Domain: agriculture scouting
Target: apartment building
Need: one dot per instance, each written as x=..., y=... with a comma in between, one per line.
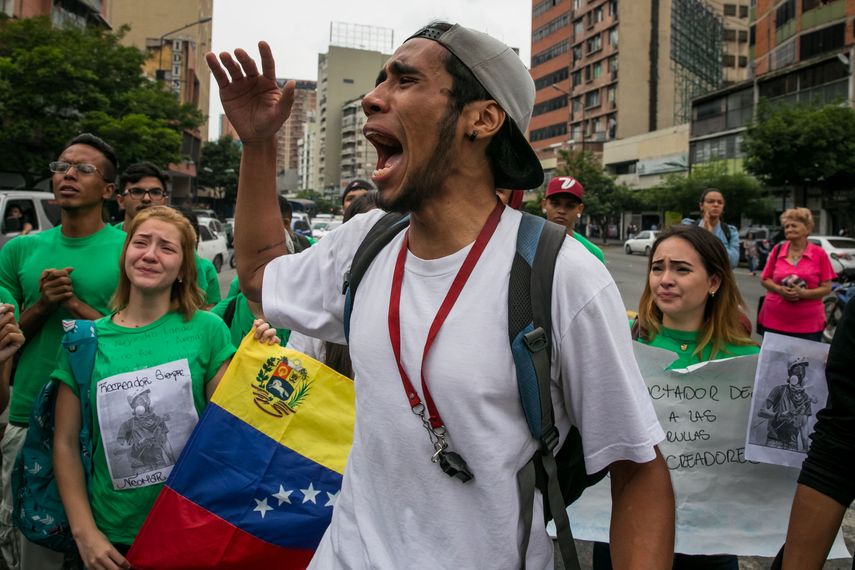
x=289, y=136
x=347, y=71
x=75, y=12
x=358, y=156
x=607, y=69
x=735, y=59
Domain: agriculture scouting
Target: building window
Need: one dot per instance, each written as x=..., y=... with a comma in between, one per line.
x=730, y=10
x=811, y=4
x=613, y=37
x=550, y=53
x=578, y=28
x=743, y=36
x=577, y=78
x=552, y=78
x=785, y=13
x=822, y=41
x=598, y=70
x=729, y=35
x=542, y=7
x=577, y=53
x=592, y=99
x=577, y=4
x=577, y=104
x=613, y=63
x=743, y=61
x=752, y=35
x=728, y=60
x=743, y=12
x=549, y=132
x=348, y=81
x=550, y=28
x=594, y=44
x=613, y=8
x=549, y=105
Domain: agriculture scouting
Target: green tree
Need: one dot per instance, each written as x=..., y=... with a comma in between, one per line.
x=58, y=82
x=803, y=146
x=681, y=193
x=605, y=199
x=220, y=166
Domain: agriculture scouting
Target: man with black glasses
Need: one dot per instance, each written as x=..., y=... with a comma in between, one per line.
x=141, y=185
x=68, y=272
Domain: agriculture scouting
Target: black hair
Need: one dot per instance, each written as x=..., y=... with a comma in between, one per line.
x=285, y=210
x=465, y=88
x=139, y=170
x=362, y=204
x=707, y=191
x=101, y=146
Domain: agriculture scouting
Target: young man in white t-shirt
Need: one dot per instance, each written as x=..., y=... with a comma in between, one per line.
x=447, y=117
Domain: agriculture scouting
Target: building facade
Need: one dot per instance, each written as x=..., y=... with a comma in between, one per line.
x=343, y=74
x=358, y=156
x=289, y=136
x=607, y=69
x=63, y=12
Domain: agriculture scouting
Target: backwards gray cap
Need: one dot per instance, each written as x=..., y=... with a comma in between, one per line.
x=499, y=70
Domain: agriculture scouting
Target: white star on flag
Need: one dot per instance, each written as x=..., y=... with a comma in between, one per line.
x=282, y=496
x=309, y=494
x=262, y=507
x=333, y=497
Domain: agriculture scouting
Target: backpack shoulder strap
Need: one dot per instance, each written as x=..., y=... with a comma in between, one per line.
x=530, y=332
x=380, y=234
x=80, y=343
x=229, y=314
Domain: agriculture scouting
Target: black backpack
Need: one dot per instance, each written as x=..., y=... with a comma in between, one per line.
x=559, y=474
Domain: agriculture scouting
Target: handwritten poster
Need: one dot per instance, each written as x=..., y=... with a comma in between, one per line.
x=789, y=389
x=146, y=417
x=725, y=503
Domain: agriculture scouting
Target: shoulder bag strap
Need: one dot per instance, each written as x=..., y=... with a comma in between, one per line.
x=380, y=234
x=81, y=342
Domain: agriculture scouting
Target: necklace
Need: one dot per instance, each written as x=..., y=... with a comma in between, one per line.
x=128, y=324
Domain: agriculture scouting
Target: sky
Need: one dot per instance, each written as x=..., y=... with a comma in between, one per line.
x=298, y=31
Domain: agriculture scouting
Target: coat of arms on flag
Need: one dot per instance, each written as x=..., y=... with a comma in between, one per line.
x=257, y=481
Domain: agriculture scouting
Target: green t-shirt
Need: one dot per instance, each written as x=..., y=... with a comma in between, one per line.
x=95, y=260
x=6, y=297
x=243, y=318
x=683, y=343
x=208, y=280
x=136, y=442
x=598, y=253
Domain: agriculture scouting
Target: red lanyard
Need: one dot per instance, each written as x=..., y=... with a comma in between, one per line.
x=450, y=298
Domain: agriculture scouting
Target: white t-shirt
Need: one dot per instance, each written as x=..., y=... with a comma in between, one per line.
x=399, y=510
x=314, y=347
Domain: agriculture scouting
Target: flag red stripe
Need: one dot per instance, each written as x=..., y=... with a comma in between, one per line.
x=187, y=536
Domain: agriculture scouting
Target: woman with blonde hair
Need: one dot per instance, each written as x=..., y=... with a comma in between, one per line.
x=158, y=361
x=691, y=306
x=797, y=276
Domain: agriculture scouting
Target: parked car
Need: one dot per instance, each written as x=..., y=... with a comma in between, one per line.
x=323, y=227
x=212, y=247
x=37, y=208
x=212, y=224
x=642, y=242
x=206, y=213
x=841, y=250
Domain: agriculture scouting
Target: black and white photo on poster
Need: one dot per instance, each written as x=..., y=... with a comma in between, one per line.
x=789, y=389
x=146, y=417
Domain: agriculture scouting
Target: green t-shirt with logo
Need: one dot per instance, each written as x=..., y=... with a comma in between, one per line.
x=146, y=396
x=208, y=280
x=95, y=260
x=683, y=344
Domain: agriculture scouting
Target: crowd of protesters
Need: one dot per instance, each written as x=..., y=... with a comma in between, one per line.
x=447, y=117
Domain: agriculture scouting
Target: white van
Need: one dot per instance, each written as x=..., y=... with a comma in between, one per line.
x=38, y=209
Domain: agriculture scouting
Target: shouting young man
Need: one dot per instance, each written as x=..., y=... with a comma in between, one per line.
x=447, y=117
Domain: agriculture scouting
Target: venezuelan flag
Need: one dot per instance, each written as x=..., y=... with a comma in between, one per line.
x=257, y=481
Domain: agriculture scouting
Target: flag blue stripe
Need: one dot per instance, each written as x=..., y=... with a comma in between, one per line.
x=228, y=466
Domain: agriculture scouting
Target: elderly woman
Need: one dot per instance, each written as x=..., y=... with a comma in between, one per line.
x=797, y=275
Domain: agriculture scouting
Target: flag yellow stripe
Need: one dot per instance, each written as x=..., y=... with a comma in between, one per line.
x=319, y=426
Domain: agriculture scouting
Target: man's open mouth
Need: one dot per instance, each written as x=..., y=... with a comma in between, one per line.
x=389, y=152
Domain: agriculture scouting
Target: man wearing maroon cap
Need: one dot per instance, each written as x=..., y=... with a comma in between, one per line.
x=563, y=205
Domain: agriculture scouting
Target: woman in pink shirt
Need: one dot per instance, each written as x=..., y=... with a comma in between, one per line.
x=797, y=275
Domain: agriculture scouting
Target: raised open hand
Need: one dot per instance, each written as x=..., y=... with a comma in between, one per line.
x=254, y=104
